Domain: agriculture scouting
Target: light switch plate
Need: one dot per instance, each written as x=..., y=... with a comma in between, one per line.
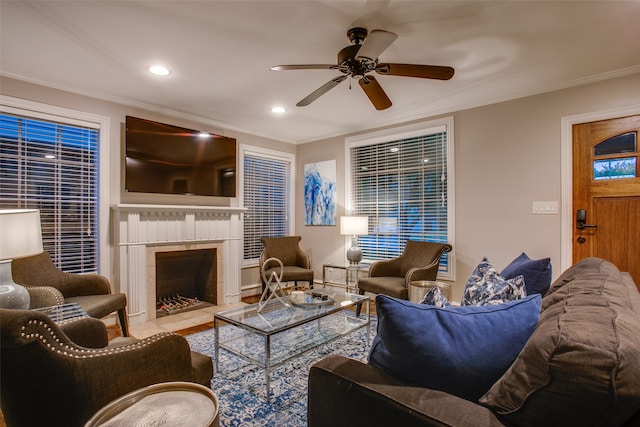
x=545, y=207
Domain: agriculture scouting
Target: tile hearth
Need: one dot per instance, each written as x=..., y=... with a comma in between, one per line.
x=179, y=321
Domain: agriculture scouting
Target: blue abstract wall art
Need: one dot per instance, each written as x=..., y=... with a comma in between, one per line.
x=320, y=193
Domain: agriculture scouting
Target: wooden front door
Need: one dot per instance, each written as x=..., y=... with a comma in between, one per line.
x=606, y=192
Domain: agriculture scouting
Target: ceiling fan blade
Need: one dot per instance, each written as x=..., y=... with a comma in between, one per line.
x=375, y=43
x=374, y=91
x=410, y=70
x=304, y=67
x=321, y=91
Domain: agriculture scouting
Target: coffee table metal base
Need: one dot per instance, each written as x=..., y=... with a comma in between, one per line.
x=270, y=338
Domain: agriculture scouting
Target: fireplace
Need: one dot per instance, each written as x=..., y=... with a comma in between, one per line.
x=185, y=280
x=144, y=231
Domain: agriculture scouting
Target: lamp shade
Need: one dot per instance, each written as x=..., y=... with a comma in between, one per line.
x=354, y=225
x=21, y=233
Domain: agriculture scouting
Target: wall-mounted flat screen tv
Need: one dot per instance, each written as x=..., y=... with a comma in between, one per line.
x=166, y=159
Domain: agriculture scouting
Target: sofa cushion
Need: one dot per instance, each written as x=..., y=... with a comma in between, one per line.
x=486, y=287
x=460, y=350
x=536, y=272
x=581, y=366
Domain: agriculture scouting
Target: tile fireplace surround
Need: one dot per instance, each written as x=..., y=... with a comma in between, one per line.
x=141, y=231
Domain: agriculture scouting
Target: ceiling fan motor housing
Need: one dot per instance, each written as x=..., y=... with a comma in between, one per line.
x=357, y=35
x=347, y=58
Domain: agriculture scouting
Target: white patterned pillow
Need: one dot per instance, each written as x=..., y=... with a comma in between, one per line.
x=485, y=286
x=435, y=297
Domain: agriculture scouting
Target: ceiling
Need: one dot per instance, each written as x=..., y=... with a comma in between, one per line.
x=220, y=54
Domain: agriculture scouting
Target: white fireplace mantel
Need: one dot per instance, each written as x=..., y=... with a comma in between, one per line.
x=138, y=228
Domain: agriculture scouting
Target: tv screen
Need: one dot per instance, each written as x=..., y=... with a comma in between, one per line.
x=166, y=159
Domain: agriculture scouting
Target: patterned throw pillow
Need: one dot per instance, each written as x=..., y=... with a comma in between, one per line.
x=486, y=287
x=435, y=297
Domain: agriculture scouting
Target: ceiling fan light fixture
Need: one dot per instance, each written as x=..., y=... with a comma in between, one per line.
x=278, y=110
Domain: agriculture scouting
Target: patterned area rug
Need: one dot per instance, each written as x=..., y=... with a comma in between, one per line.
x=240, y=387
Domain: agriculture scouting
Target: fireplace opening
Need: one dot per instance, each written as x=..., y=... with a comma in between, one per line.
x=185, y=280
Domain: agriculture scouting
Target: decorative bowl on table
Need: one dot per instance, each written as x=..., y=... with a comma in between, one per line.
x=310, y=298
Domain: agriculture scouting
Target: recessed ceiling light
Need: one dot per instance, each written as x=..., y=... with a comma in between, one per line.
x=278, y=110
x=159, y=70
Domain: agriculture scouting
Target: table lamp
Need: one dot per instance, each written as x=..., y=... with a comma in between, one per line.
x=354, y=226
x=21, y=236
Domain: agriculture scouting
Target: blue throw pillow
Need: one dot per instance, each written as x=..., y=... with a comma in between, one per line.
x=536, y=272
x=459, y=350
x=486, y=287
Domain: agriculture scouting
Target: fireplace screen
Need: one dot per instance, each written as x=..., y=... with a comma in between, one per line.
x=185, y=280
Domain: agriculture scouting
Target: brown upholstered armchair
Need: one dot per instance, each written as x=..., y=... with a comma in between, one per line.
x=297, y=264
x=60, y=375
x=47, y=286
x=419, y=261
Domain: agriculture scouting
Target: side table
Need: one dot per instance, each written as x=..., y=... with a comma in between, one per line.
x=351, y=274
x=62, y=312
x=176, y=404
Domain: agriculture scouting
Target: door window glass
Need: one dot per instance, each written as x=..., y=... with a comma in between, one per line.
x=616, y=157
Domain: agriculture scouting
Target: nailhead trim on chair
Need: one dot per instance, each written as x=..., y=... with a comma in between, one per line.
x=53, y=291
x=79, y=352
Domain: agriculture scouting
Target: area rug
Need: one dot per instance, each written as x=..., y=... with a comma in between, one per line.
x=240, y=387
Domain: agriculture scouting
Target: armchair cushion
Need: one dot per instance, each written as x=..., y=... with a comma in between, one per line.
x=99, y=306
x=430, y=346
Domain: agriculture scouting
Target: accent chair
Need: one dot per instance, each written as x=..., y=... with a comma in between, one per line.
x=61, y=374
x=419, y=261
x=297, y=264
x=47, y=286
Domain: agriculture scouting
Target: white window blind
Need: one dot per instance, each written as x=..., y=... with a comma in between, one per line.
x=53, y=166
x=267, y=197
x=401, y=184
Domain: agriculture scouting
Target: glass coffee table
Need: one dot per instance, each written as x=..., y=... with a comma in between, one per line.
x=278, y=333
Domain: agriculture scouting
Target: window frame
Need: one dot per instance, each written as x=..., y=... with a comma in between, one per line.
x=445, y=124
x=42, y=111
x=272, y=155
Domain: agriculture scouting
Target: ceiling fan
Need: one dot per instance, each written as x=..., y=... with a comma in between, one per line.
x=360, y=59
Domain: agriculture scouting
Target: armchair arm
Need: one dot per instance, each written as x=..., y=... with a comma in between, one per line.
x=86, y=332
x=76, y=285
x=386, y=268
x=44, y=296
x=425, y=273
x=302, y=259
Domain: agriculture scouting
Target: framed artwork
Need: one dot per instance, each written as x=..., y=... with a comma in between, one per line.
x=320, y=193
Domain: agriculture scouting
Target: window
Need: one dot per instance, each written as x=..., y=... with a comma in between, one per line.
x=402, y=180
x=616, y=157
x=266, y=193
x=51, y=164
